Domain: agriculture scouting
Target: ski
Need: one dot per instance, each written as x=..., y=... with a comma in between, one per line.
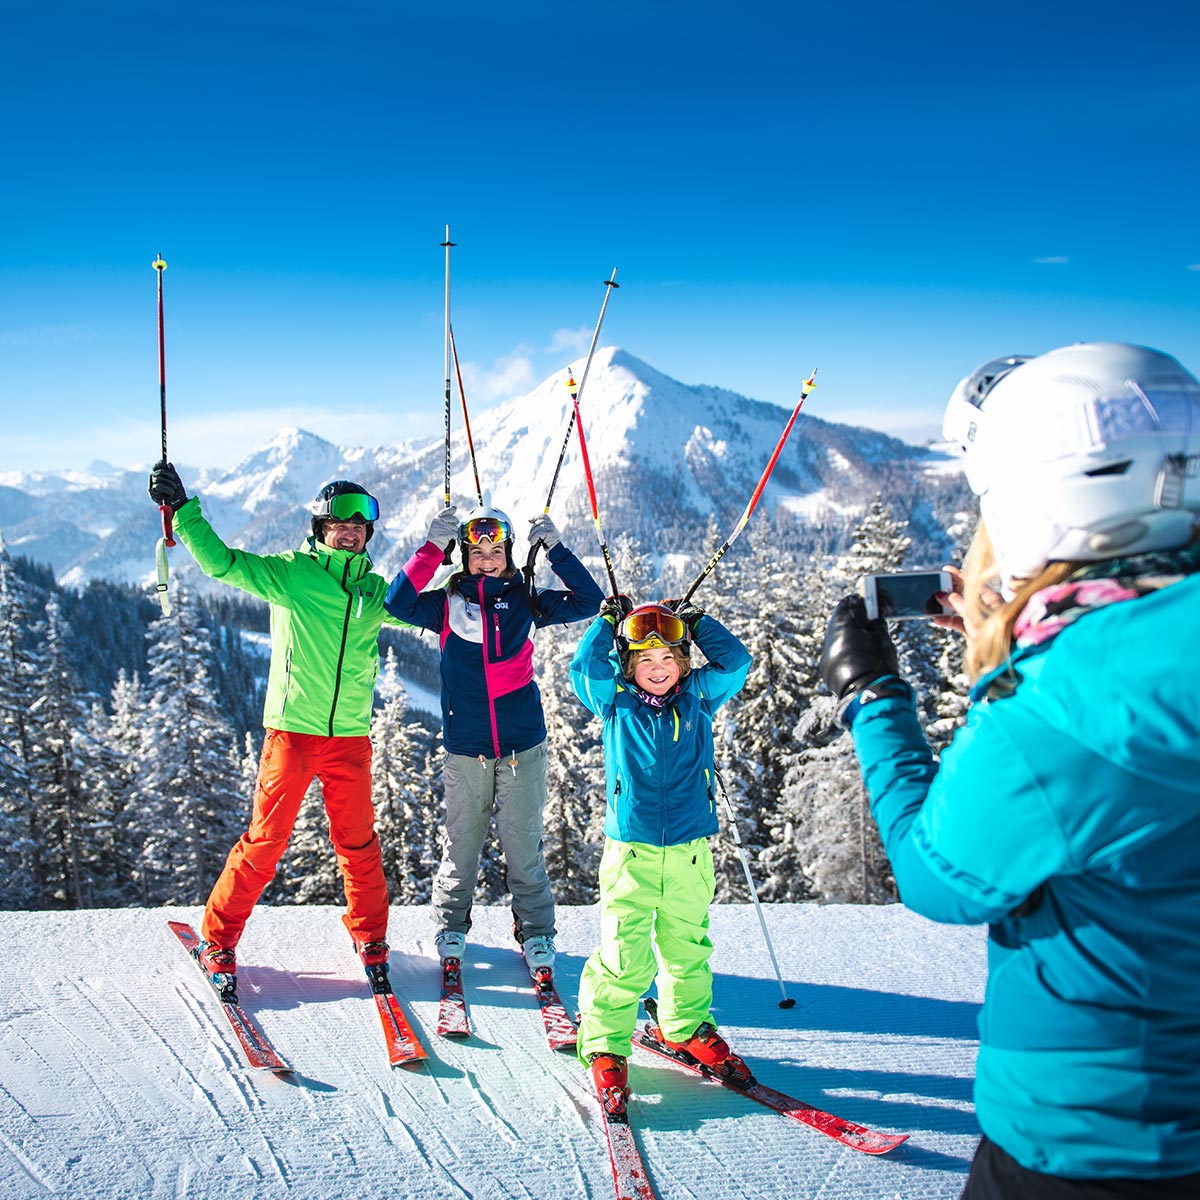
x=560, y=1029
x=452, y=1007
x=857, y=1137
x=403, y=1045
x=256, y=1048
x=629, y=1171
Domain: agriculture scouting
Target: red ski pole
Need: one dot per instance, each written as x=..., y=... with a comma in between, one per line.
x=809, y=384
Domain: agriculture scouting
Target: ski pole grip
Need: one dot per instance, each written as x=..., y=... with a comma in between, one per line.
x=167, y=513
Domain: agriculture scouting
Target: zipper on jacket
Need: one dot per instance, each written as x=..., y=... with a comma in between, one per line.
x=487, y=682
x=337, y=677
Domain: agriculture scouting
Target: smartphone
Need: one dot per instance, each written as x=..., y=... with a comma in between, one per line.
x=905, y=596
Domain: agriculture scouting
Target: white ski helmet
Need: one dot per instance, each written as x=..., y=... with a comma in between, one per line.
x=485, y=524
x=1085, y=453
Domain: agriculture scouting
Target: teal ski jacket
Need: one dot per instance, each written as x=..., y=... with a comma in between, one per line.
x=659, y=761
x=1067, y=815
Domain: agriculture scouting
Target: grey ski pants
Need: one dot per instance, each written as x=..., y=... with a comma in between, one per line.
x=515, y=789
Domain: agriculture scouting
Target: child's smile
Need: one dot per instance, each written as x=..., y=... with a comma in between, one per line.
x=656, y=670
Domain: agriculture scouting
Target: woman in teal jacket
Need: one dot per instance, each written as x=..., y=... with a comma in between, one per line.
x=1066, y=813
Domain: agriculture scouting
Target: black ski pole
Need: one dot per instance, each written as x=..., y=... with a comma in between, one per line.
x=164, y=509
x=609, y=285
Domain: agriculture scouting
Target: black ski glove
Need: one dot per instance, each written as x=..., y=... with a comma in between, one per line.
x=689, y=613
x=614, y=609
x=858, y=659
x=166, y=487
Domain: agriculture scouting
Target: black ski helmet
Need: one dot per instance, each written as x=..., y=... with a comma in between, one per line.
x=359, y=503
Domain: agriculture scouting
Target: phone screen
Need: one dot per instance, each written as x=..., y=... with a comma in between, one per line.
x=910, y=595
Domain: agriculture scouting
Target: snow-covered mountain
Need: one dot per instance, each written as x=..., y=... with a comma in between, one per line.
x=666, y=457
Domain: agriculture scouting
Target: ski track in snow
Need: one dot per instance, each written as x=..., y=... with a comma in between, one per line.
x=120, y=1078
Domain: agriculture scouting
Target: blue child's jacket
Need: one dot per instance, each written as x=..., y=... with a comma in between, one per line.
x=659, y=761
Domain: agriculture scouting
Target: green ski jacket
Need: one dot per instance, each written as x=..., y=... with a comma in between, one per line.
x=326, y=610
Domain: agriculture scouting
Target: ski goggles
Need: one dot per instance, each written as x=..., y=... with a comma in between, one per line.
x=484, y=529
x=348, y=505
x=651, y=626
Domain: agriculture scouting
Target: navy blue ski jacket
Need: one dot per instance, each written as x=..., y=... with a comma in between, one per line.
x=490, y=702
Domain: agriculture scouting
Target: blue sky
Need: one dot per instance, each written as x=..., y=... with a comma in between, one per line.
x=893, y=193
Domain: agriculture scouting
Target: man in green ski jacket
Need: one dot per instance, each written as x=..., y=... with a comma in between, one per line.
x=326, y=611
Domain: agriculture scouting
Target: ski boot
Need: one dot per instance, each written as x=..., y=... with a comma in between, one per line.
x=451, y=944
x=219, y=964
x=707, y=1047
x=539, y=955
x=611, y=1075
x=374, y=957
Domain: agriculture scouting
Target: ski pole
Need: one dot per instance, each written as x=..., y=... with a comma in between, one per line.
x=466, y=419
x=609, y=284
x=731, y=817
x=809, y=384
x=446, y=245
x=162, y=566
x=164, y=509
x=591, y=483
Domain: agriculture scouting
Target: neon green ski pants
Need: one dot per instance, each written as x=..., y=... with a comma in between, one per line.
x=644, y=890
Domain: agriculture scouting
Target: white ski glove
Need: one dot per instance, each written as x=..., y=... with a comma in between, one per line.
x=542, y=529
x=443, y=529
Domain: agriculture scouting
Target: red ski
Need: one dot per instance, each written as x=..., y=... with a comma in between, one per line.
x=452, y=1007
x=629, y=1171
x=403, y=1046
x=256, y=1049
x=857, y=1137
x=560, y=1029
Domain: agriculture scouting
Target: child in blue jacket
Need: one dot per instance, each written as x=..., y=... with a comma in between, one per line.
x=633, y=670
x=492, y=722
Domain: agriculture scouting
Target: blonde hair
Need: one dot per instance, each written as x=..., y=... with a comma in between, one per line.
x=989, y=625
x=682, y=654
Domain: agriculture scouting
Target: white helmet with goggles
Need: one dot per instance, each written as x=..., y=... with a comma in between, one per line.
x=485, y=525
x=1085, y=453
x=342, y=500
x=649, y=626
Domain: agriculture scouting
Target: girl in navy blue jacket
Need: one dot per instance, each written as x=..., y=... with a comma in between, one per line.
x=492, y=722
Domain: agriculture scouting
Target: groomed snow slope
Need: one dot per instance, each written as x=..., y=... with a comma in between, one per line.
x=119, y=1077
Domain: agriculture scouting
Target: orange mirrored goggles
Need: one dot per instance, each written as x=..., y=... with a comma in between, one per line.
x=651, y=626
x=485, y=529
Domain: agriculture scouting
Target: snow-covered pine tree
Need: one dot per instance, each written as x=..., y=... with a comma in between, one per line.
x=21, y=882
x=754, y=730
x=114, y=775
x=193, y=808
x=66, y=844
x=573, y=836
x=404, y=792
x=308, y=872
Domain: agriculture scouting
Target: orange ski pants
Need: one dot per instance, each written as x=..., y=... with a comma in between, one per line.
x=288, y=765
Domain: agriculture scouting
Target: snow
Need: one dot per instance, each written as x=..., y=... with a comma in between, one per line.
x=119, y=1077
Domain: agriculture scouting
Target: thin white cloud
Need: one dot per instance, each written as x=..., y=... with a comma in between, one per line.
x=574, y=341
x=1194, y=267
x=1053, y=259
x=509, y=376
x=46, y=335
